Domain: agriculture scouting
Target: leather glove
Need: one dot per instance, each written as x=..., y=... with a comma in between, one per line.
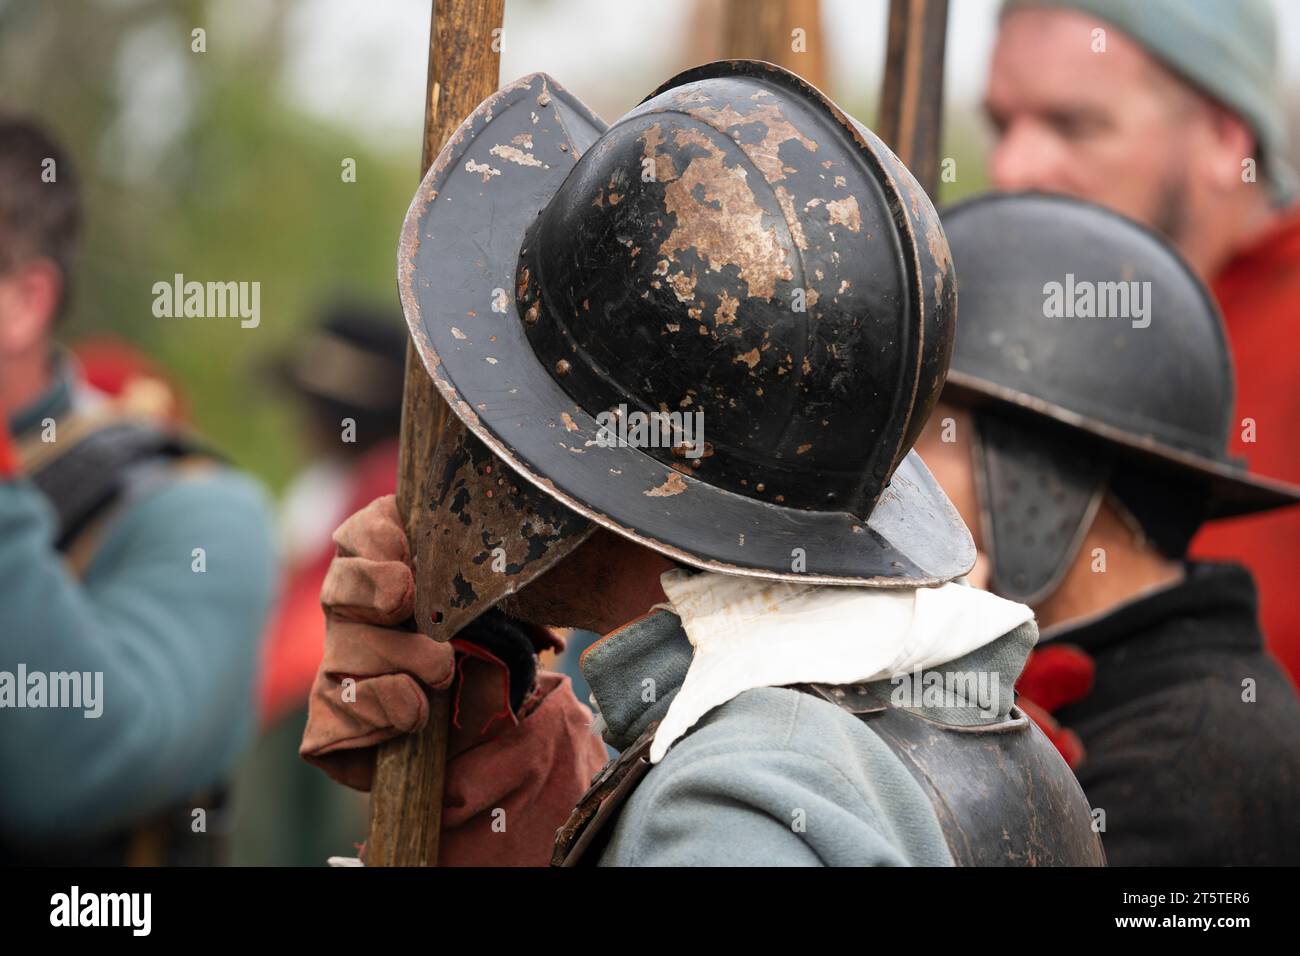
x=374, y=678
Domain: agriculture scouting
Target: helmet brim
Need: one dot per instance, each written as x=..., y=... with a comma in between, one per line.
x=1233, y=491
x=457, y=273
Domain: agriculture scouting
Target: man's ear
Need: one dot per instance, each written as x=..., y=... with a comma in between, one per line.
x=1231, y=143
x=30, y=295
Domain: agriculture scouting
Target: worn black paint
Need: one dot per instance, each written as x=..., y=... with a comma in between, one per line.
x=875, y=358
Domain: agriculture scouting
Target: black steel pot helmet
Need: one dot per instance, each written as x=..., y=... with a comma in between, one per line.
x=1098, y=360
x=734, y=255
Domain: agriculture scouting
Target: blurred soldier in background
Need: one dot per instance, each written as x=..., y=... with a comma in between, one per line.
x=1084, y=447
x=135, y=575
x=346, y=374
x=1169, y=111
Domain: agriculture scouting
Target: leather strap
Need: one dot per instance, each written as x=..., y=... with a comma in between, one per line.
x=585, y=833
x=84, y=472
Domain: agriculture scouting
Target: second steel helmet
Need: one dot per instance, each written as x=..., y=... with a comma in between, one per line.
x=1093, y=350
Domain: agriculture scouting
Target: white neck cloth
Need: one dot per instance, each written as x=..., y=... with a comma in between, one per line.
x=750, y=632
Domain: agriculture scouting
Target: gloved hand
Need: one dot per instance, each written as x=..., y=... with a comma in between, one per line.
x=374, y=677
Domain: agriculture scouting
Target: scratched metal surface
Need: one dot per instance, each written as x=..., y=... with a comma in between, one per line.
x=490, y=533
x=1003, y=795
x=807, y=415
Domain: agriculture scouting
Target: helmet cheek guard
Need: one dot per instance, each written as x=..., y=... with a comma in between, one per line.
x=1039, y=492
x=489, y=533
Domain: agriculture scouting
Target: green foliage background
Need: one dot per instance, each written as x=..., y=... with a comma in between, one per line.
x=251, y=191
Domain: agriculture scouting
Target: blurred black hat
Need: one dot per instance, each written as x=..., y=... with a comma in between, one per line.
x=351, y=364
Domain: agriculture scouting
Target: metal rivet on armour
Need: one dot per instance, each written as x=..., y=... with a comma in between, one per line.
x=562, y=367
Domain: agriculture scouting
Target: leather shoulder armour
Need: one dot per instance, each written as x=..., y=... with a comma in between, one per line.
x=585, y=833
x=1002, y=794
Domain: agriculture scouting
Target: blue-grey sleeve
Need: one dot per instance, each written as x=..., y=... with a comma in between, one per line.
x=170, y=613
x=763, y=807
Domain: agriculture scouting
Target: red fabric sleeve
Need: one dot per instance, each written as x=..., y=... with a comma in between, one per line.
x=507, y=796
x=8, y=454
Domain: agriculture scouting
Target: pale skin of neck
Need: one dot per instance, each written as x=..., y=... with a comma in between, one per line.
x=1218, y=230
x=23, y=382
x=1131, y=568
x=1132, y=565
x=609, y=580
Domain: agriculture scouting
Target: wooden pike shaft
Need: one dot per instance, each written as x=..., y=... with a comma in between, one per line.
x=764, y=30
x=911, y=102
x=406, y=798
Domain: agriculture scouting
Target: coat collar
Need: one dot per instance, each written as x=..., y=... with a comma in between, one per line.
x=634, y=673
x=1220, y=596
x=637, y=670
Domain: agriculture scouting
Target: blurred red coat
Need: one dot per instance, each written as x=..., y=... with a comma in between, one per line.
x=1259, y=292
x=295, y=639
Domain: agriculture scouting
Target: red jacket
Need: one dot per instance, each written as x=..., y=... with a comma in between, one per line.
x=295, y=636
x=1259, y=292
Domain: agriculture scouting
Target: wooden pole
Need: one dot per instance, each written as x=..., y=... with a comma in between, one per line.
x=786, y=32
x=406, y=798
x=911, y=101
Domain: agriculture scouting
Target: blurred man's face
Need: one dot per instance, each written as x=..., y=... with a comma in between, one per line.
x=1113, y=127
x=29, y=301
